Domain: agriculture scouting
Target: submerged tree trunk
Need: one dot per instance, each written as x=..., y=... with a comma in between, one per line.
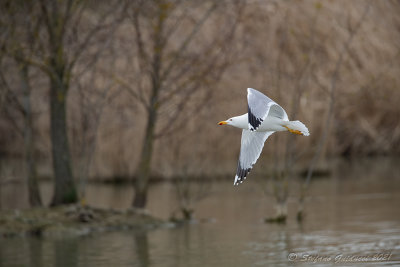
x=64, y=188
x=187, y=213
x=173, y=71
x=144, y=167
x=143, y=171
x=281, y=194
x=33, y=188
x=330, y=113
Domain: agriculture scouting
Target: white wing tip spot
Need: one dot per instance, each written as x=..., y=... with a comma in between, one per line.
x=237, y=181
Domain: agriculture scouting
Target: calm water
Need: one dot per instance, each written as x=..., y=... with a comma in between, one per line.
x=354, y=213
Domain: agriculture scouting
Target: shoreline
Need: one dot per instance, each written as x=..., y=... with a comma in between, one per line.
x=73, y=220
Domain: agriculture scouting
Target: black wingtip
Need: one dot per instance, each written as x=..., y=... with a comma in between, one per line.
x=241, y=175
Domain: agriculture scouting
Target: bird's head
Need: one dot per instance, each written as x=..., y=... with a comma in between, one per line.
x=228, y=121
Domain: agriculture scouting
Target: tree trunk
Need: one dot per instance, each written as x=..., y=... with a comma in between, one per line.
x=64, y=188
x=33, y=188
x=143, y=172
x=187, y=213
x=281, y=194
x=281, y=212
x=56, y=15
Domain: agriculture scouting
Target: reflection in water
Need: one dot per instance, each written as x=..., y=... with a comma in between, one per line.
x=142, y=248
x=35, y=252
x=66, y=252
x=352, y=213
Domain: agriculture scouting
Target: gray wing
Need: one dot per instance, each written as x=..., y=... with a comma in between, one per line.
x=251, y=146
x=260, y=106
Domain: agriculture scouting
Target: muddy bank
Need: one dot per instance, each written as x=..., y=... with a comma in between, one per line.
x=72, y=220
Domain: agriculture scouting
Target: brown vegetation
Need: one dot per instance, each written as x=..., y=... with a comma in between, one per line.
x=286, y=49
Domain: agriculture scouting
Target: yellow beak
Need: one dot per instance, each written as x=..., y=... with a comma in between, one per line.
x=222, y=123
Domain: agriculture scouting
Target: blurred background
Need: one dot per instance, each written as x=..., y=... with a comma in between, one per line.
x=98, y=95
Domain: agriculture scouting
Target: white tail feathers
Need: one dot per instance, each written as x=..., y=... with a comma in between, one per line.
x=297, y=127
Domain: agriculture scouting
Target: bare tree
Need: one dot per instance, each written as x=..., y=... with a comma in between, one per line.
x=190, y=188
x=293, y=83
x=62, y=34
x=170, y=74
x=91, y=104
x=20, y=105
x=20, y=43
x=331, y=109
x=33, y=188
x=56, y=17
x=284, y=171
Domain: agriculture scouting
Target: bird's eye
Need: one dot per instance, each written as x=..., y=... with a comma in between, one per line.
x=230, y=119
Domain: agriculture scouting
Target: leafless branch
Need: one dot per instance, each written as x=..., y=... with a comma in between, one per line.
x=187, y=40
x=335, y=76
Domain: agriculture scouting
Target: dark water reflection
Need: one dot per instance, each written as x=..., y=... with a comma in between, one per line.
x=353, y=213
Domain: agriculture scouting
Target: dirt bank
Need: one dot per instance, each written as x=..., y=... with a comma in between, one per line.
x=72, y=220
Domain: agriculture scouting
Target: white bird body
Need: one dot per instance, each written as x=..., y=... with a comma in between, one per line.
x=264, y=118
x=269, y=124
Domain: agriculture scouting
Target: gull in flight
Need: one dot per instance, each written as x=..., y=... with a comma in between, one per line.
x=264, y=117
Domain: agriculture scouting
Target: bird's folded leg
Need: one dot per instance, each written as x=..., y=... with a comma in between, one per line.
x=293, y=131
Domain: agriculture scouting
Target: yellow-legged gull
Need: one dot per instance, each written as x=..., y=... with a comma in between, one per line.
x=264, y=117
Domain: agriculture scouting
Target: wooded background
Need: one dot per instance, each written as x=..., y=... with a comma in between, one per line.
x=185, y=65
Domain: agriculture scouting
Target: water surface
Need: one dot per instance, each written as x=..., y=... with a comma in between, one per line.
x=351, y=217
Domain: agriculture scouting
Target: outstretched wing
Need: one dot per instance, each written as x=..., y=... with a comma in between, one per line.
x=260, y=106
x=251, y=146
